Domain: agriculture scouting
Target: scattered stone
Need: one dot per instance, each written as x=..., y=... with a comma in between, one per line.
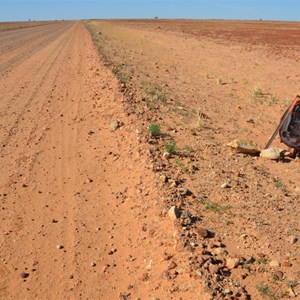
x=220, y=251
x=24, y=275
x=274, y=264
x=243, y=146
x=115, y=125
x=225, y=185
x=145, y=277
x=112, y=251
x=213, y=269
x=274, y=153
x=227, y=291
x=166, y=275
x=293, y=239
x=124, y=296
x=59, y=246
x=232, y=263
x=183, y=191
x=167, y=256
x=202, y=232
x=166, y=155
x=149, y=266
x=71, y=276
x=93, y=264
x=163, y=178
x=172, y=265
x=174, y=213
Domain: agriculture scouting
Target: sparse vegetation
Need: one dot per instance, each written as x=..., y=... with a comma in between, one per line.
x=154, y=129
x=278, y=183
x=170, y=147
x=181, y=165
x=256, y=92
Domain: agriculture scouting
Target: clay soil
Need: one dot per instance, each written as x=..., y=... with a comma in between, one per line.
x=86, y=191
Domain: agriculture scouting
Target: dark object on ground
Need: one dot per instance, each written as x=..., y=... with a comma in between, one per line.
x=289, y=127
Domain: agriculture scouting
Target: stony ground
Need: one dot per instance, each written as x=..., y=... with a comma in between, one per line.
x=115, y=179
x=204, y=84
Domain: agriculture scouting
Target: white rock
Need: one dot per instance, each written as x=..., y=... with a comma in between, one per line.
x=274, y=153
x=174, y=212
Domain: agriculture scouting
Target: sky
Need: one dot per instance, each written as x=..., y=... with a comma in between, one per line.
x=23, y=10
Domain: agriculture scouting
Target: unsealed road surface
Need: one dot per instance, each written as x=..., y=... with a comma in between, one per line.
x=78, y=210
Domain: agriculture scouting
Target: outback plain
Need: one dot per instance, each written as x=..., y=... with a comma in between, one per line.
x=116, y=178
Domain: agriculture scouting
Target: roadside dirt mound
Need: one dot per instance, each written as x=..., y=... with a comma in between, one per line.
x=237, y=216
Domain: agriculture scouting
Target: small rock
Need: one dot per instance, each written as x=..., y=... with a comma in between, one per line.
x=232, y=263
x=297, y=189
x=163, y=178
x=172, y=265
x=293, y=239
x=93, y=264
x=243, y=146
x=183, y=191
x=174, y=213
x=227, y=291
x=145, y=277
x=149, y=266
x=220, y=251
x=225, y=185
x=213, y=269
x=166, y=275
x=112, y=251
x=166, y=155
x=59, y=246
x=24, y=275
x=202, y=232
x=115, y=125
x=167, y=256
x=274, y=264
x=274, y=153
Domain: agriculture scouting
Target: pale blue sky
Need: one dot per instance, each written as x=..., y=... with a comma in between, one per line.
x=14, y=10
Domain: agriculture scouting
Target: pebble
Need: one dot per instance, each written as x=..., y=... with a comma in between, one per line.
x=273, y=153
x=202, y=232
x=274, y=263
x=232, y=263
x=172, y=265
x=145, y=277
x=225, y=185
x=115, y=125
x=59, y=246
x=24, y=275
x=166, y=155
x=174, y=212
x=163, y=178
x=293, y=239
x=243, y=146
x=220, y=251
x=93, y=264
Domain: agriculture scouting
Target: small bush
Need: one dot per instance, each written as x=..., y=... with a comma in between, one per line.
x=154, y=129
x=170, y=147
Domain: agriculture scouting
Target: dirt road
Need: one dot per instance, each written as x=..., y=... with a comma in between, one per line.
x=77, y=201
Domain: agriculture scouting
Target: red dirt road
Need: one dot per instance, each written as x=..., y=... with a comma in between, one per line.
x=77, y=220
